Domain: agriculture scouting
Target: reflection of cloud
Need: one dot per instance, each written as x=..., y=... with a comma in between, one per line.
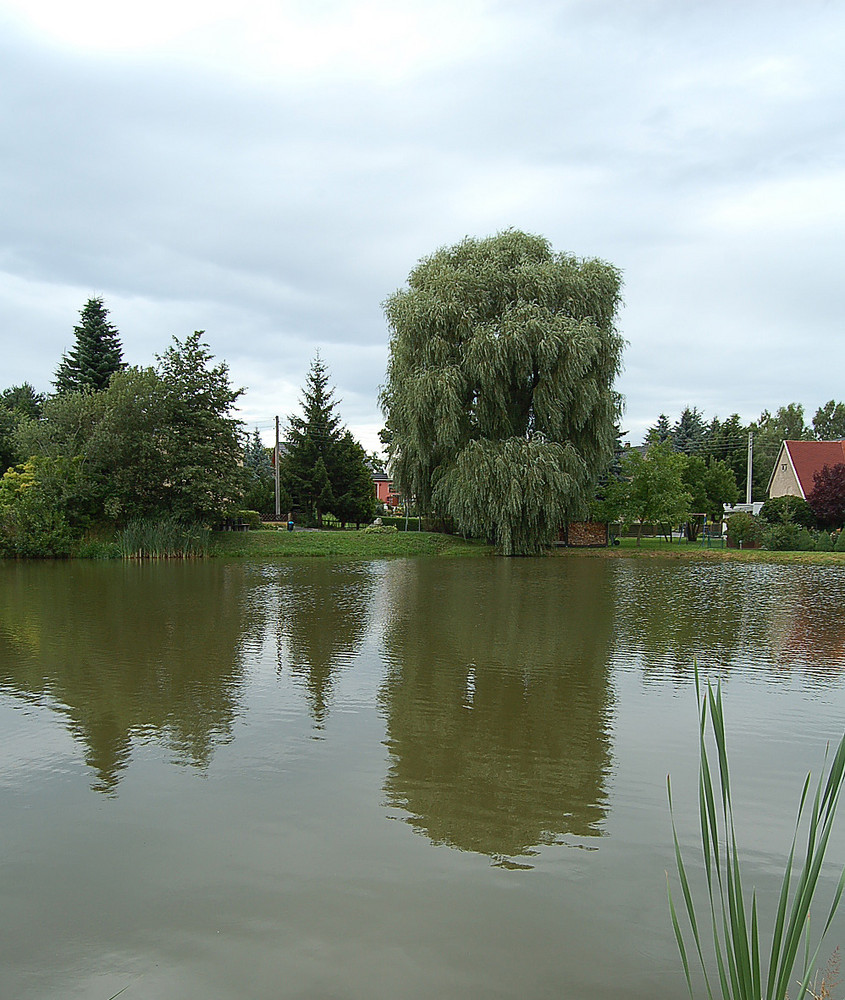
x=497, y=701
x=125, y=651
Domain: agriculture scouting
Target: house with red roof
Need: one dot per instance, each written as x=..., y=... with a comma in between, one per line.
x=798, y=462
x=384, y=490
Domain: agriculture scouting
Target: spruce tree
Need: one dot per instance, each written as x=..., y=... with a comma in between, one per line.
x=311, y=445
x=689, y=432
x=96, y=354
x=259, y=475
x=659, y=432
x=324, y=468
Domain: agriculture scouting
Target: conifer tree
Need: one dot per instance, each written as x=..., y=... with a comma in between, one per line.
x=659, y=432
x=311, y=442
x=499, y=395
x=260, y=487
x=96, y=354
x=324, y=468
x=689, y=432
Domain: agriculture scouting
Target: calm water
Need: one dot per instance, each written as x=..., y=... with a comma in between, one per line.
x=397, y=779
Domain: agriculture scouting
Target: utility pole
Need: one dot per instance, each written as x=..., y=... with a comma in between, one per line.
x=276, y=463
x=748, y=480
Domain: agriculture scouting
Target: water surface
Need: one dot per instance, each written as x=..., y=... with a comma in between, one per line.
x=388, y=779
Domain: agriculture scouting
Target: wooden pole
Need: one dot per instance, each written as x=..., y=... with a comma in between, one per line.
x=748, y=478
x=278, y=492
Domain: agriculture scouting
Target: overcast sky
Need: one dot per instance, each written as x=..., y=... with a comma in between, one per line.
x=270, y=171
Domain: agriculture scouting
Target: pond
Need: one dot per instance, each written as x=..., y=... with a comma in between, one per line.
x=393, y=779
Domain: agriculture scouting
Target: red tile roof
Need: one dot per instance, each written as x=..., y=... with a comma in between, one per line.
x=809, y=457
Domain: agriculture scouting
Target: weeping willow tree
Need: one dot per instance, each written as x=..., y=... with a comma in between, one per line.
x=499, y=394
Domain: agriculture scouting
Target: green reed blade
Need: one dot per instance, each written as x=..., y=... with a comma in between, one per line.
x=736, y=933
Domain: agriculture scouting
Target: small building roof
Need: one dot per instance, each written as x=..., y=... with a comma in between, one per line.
x=382, y=477
x=810, y=457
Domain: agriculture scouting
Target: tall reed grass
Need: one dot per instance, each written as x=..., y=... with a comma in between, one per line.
x=733, y=939
x=163, y=538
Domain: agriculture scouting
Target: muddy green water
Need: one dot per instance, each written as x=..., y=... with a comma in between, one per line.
x=403, y=779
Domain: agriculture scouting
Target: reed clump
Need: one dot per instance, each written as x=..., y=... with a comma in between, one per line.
x=730, y=936
x=163, y=538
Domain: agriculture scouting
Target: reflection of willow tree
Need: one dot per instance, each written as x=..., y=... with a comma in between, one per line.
x=127, y=652
x=324, y=610
x=497, y=701
x=668, y=612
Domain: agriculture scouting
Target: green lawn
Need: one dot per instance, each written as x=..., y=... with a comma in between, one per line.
x=363, y=545
x=351, y=544
x=659, y=548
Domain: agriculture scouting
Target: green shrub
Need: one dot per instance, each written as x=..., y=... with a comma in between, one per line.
x=781, y=537
x=97, y=548
x=399, y=522
x=743, y=529
x=788, y=510
x=824, y=542
x=250, y=517
x=32, y=524
x=380, y=529
x=840, y=542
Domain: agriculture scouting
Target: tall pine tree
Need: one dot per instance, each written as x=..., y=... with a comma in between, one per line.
x=324, y=468
x=96, y=355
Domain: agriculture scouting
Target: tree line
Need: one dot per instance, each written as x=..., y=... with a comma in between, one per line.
x=688, y=471
x=727, y=440
x=115, y=444
x=501, y=418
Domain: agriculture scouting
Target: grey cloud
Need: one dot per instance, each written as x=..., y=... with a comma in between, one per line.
x=278, y=216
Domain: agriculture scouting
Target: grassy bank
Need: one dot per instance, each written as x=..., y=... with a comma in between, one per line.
x=362, y=545
x=654, y=548
x=351, y=544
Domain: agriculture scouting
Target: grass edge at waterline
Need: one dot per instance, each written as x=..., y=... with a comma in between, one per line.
x=734, y=930
x=342, y=544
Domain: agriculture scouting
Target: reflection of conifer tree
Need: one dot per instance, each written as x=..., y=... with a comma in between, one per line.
x=324, y=615
x=497, y=701
x=125, y=649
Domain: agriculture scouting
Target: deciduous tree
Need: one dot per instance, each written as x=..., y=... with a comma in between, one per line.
x=828, y=497
x=355, y=494
x=153, y=442
x=499, y=394
x=787, y=424
x=655, y=492
x=18, y=403
x=710, y=485
x=829, y=421
x=201, y=445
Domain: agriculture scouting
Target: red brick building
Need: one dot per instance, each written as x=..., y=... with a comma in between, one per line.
x=384, y=489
